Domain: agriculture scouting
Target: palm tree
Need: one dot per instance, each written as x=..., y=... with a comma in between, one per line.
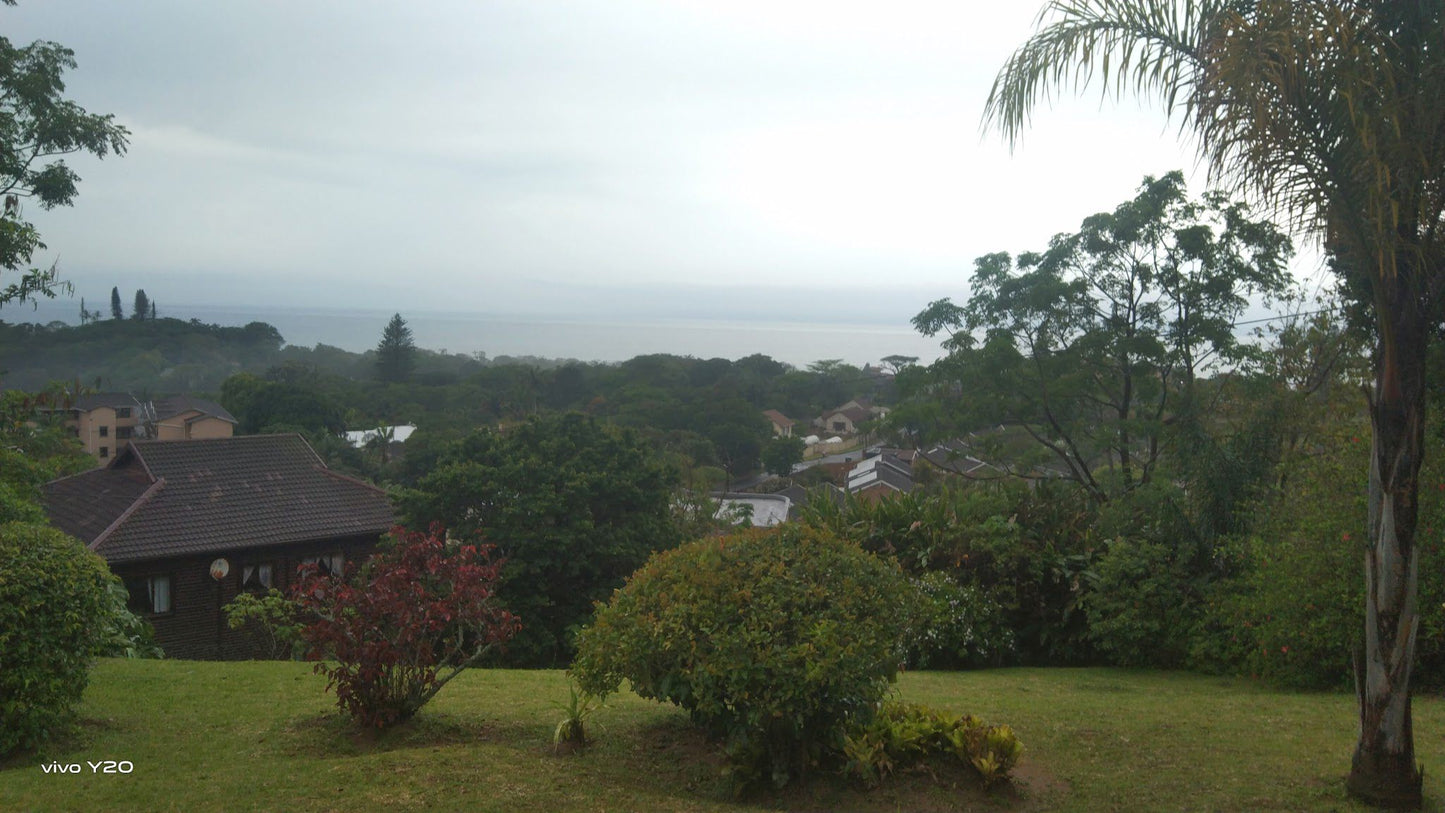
x=379, y=440
x=1331, y=112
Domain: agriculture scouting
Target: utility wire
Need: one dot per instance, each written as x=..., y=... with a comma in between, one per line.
x=1285, y=316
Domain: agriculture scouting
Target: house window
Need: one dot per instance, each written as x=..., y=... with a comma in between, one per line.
x=123, y=432
x=256, y=578
x=122, y=412
x=331, y=564
x=105, y=431
x=839, y=426
x=105, y=451
x=148, y=594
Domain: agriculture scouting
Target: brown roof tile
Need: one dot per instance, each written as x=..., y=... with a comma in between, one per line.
x=85, y=504
x=778, y=418
x=204, y=496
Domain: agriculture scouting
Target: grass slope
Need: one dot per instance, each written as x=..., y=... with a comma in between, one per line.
x=264, y=736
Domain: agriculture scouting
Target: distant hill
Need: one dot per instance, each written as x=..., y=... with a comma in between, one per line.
x=174, y=356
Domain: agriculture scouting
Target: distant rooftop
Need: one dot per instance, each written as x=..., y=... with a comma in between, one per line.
x=177, y=404
x=767, y=509
x=359, y=438
x=96, y=400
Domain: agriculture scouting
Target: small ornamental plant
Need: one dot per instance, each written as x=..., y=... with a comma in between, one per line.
x=415, y=617
x=571, y=732
x=902, y=734
x=270, y=621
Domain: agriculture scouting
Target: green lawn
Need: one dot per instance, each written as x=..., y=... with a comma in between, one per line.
x=264, y=736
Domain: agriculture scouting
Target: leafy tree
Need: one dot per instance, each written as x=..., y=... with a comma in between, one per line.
x=396, y=354
x=40, y=124
x=142, y=307
x=277, y=406
x=737, y=431
x=1330, y=111
x=116, y=312
x=828, y=383
x=572, y=505
x=420, y=614
x=896, y=363
x=270, y=621
x=1091, y=346
x=780, y=455
x=35, y=448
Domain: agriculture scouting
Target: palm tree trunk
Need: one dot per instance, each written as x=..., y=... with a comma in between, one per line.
x=1383, y=771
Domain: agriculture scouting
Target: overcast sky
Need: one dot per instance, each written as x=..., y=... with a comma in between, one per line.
x=520, y=157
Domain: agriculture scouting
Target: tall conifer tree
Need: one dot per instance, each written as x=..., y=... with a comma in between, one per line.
x=396, y=354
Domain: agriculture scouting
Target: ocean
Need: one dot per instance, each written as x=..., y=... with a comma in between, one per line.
x=581, y=338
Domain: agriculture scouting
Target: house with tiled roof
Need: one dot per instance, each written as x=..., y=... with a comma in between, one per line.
x=190, y=524
x=955, y=456
x=182, y=417
x=845, y=419
x=782, y=424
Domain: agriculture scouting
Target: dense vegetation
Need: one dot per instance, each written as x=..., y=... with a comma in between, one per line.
x=702, y=413
x=59, y=604
x=572, y=506
x=1328, y=112
x=1248, y=506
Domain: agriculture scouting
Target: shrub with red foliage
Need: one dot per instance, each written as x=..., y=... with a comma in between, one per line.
x=413, y=618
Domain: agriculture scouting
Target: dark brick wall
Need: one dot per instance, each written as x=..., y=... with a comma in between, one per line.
x=195, y=627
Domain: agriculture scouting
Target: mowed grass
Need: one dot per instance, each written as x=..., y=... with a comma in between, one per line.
x=265, y=736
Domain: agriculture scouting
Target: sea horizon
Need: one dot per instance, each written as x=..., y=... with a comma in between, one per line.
x=797, y=341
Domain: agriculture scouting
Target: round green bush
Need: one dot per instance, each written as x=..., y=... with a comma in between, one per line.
x=53, y=613
x=774, y=641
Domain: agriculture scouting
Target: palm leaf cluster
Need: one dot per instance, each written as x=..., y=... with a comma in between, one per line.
x=1330, y=111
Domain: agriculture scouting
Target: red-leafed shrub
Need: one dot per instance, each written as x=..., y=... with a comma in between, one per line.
x=412, y=619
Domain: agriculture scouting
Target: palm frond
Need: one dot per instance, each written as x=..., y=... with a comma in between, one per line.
x=1328, y=111
x=1320, y=108
x=1147, y=47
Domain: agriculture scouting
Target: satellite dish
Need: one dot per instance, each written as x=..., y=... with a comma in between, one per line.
x=219, y=569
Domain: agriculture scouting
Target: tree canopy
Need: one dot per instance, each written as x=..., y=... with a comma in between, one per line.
x=1092, y=345
x=573, y=507
x=40, y=126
